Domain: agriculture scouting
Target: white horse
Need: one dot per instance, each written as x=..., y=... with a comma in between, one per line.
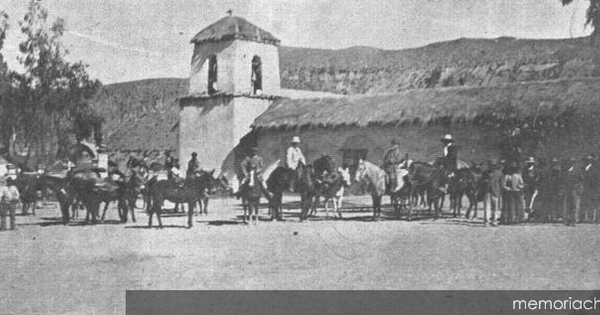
x=375, y=176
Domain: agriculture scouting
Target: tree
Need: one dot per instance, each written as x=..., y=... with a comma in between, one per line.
x=50, y=99
x=593, y=20
x=4, y=88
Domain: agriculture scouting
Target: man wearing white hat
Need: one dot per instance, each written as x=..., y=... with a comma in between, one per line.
x=450, y=154
x=294, y=156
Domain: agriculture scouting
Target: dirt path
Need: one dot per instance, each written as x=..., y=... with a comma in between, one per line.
x=48, y=268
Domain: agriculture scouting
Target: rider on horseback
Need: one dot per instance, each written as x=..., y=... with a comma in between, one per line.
x=391, y=160
x=294, y=156
x=253, y=162
x=449, y=158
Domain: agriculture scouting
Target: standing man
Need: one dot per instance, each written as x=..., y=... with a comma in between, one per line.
x=513, y=203
x=391, y=160
x=294, y=156
x=494, y=194
x=193, y=165
x=573, y=192
x=591, y=190
x=531, y=179
x=9, y=198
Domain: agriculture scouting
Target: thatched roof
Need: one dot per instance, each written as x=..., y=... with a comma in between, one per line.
x=503, y=102
x=233, y=27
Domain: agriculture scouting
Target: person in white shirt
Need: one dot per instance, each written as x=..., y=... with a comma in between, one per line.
x=9, y=198
x=294, y=156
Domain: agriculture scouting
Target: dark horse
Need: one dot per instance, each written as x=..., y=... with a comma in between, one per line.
x=220, y=183
x=188, y=193
x=64, y=193
x=306, y=187
x=282, y=177
x=250, y=192
x=431, y=179
x=28, y=185
x=132, y=188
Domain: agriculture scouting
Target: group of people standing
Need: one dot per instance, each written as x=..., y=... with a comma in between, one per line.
x=549, y=191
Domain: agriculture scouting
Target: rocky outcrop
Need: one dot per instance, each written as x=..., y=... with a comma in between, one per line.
x=463, y=62
x=144, y=114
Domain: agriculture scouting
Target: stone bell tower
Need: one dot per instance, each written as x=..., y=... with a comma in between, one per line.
x=234, y=78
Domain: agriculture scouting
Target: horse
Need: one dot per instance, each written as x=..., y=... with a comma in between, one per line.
x=458, y=185
x=63, y=193
x=220, y=183
x=281, y=178
x=28, y=186
x=306, y=187
x=250, y=192
x=323, y=166
x=477, y=188
x=86, y=192
x=332, y=188
x=188, y=193
x=114, y=191
x=133, y=187
x=277, y=183
x=375, y=176
x=431, y=179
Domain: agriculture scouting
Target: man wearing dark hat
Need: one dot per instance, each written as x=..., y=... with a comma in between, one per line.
x=391, y=160
x=253, y=162
x=9, y=198
x=531, y=179
x=193, y=165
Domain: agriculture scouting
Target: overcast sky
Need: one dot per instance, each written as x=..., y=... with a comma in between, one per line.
x=126, y=40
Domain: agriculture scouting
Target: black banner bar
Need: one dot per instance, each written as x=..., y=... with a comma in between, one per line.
x=362, y=302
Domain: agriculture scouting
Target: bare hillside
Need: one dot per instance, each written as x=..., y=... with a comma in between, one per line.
x=143, y=114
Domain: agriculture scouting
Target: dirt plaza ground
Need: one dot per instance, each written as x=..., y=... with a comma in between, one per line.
x=46, y=267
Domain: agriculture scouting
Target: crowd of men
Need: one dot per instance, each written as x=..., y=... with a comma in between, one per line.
x=549, y=191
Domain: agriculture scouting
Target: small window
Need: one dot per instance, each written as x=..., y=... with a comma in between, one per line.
x=212, y=74
x=256, y=75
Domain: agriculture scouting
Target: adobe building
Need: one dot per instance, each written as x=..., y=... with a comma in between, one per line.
x=234, y=79
x=236, y=101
